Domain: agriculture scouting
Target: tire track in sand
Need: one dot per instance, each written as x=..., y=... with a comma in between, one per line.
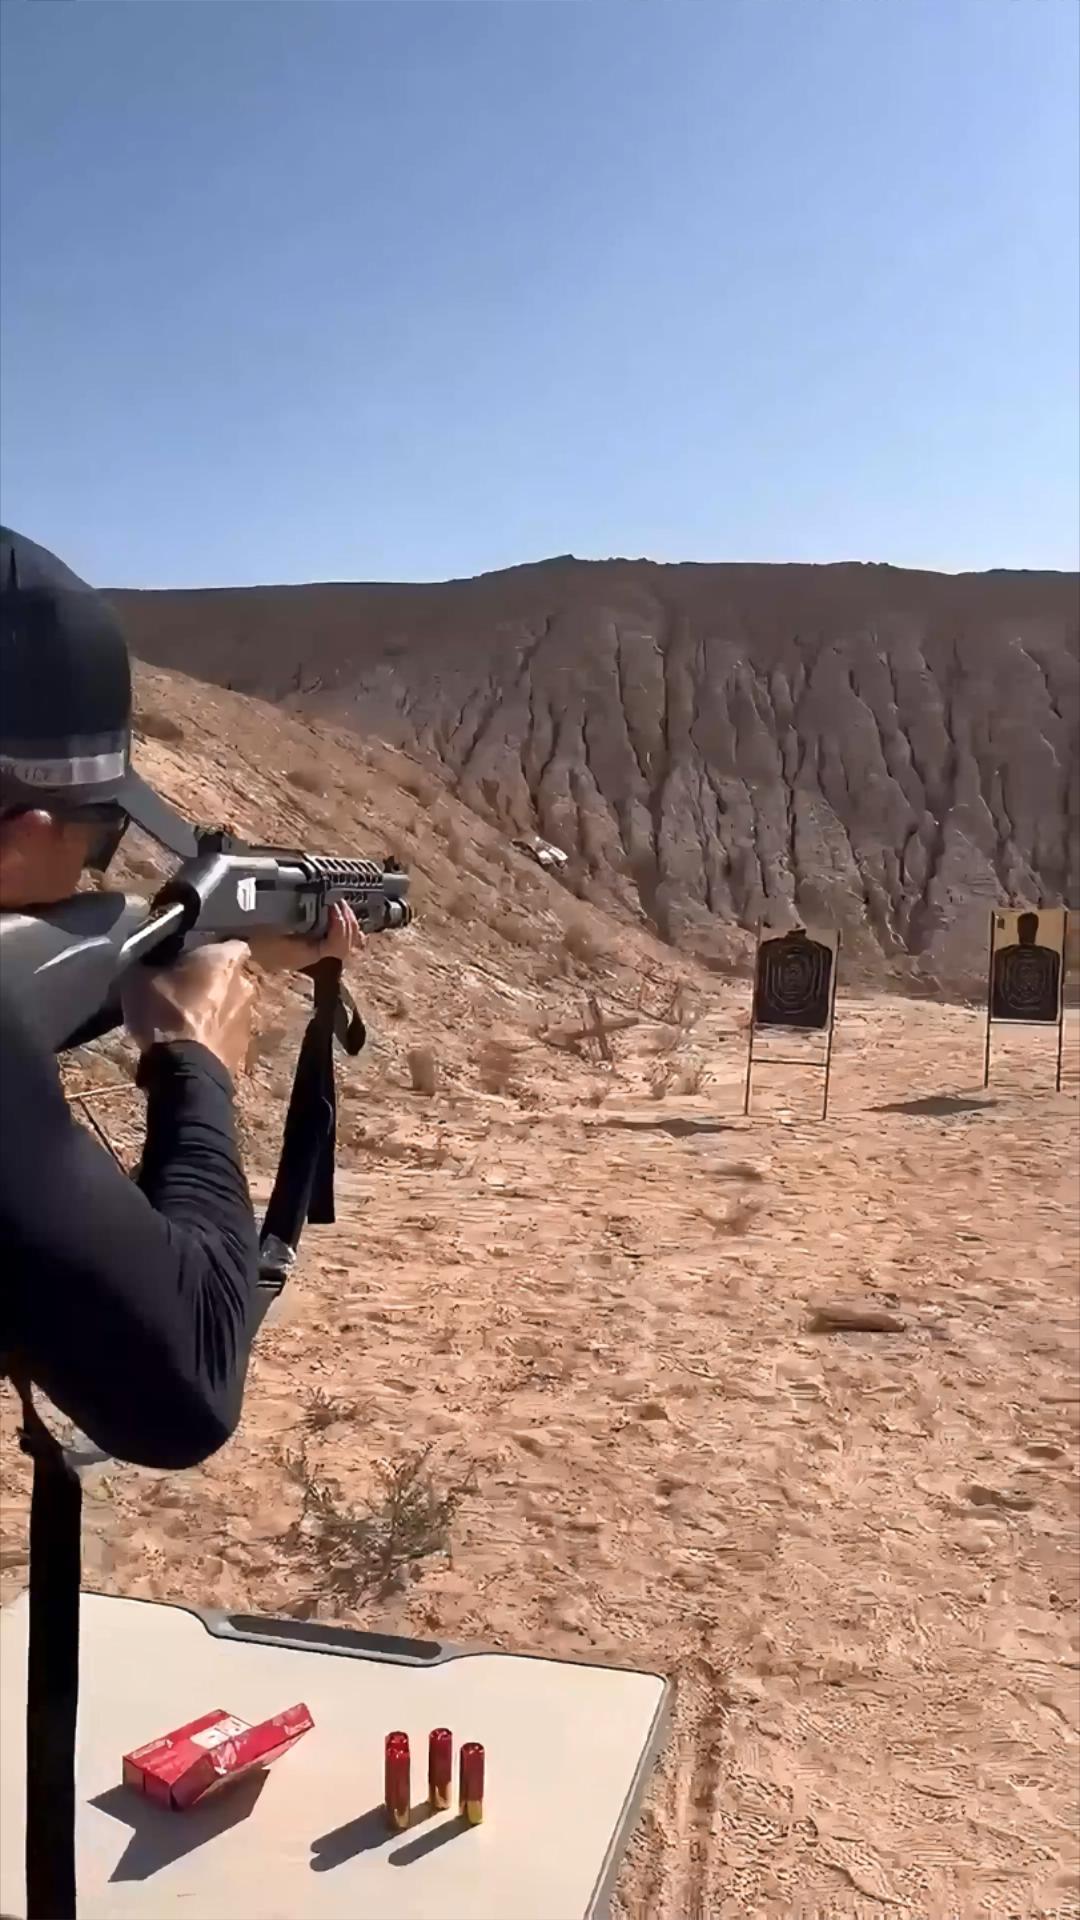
x=671, y=1874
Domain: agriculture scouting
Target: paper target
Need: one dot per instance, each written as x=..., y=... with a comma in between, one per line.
x=793, y=983
x=1026, y=964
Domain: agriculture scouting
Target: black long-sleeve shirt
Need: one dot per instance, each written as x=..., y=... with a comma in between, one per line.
x=130, y=1305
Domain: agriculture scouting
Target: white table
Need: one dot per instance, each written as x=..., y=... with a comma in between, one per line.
x=569, y=1748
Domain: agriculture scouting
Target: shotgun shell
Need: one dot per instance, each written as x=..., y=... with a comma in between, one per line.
x=471, y=1798
x=440, y=1768
x=398, y=1783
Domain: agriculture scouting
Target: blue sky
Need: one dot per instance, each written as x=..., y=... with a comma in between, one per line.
x=306, y=290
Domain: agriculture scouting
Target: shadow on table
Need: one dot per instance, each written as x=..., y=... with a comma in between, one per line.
x=161, y=1835
x=343, y=1843
x=370, y=1830
x=425, y=1843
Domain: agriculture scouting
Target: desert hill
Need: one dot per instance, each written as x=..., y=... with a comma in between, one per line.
x=489, y=990
x=884, y=750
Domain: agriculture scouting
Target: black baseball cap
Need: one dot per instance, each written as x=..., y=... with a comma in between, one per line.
x=65, y=699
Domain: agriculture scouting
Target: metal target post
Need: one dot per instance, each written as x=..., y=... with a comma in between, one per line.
x=989, y=999
x=750, y=1044
x=1065, y=951
x=831, y=1030
x=1061, y=1005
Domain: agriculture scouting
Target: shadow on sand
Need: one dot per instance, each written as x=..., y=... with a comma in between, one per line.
x=675, y=1128
x=936, y=1106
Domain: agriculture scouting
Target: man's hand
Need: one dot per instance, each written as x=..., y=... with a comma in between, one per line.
x=276, y=954
x=206, y=996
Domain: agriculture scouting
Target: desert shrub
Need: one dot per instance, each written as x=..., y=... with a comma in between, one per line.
x=420, y=787
x=461, y=905
x=689, y=1079
x=497, y=1064
x=306, y=779
x=582, y=944
x=739, y=1216
x=550, y=967
x=321, y=1410
x=515, y=928
x=423, y=1072
x=381, y=1143
x=152, y=724
x=671, y=1078
x=660, y=1084
x=373, y=1548
x=676, y=1019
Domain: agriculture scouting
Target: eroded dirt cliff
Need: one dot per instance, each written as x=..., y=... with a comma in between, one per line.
x=886, y=751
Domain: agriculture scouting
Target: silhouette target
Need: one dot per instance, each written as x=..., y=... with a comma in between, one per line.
x=793, y=987
x=1025, y=977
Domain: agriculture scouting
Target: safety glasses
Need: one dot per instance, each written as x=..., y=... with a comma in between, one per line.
x=110, y=820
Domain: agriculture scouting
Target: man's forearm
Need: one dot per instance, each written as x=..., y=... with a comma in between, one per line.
x=134, y=1310
x=191, y=1171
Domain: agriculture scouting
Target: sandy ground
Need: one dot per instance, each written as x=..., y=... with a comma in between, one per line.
x=589, y=1289
x=855, y=1552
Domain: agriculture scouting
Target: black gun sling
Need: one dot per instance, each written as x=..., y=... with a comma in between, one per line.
x=52, y=1673
x=303, y=1189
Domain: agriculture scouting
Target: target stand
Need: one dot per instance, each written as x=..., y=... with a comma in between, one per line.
x=1025, y=978
x=795, y=977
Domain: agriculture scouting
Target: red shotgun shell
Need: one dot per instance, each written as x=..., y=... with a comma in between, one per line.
x=440, y=1767
x=471, y=1797
x=398, y=1787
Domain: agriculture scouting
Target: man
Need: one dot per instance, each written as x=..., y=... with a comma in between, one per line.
x=130, y=1304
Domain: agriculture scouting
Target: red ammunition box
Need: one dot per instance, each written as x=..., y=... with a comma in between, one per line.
x=183, y=1767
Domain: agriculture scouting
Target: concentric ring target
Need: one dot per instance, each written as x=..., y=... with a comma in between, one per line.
x=794, y=977
x=1025, y=980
